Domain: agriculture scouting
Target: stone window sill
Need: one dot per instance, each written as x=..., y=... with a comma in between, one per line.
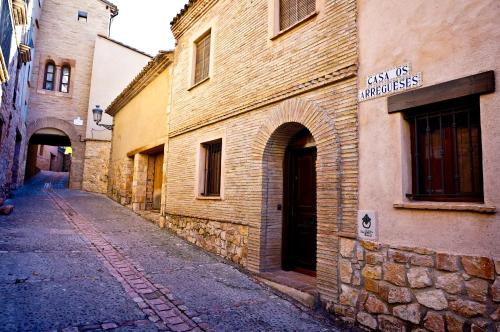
x=447, y=206
x=293, y=26
x=199, y=83
x=209, y=198
x=55, y=93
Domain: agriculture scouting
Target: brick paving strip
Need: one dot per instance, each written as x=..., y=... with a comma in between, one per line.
x=155, y=300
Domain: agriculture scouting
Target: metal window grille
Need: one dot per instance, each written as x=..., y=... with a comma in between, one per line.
x=6, y=30
x=65, y=78
x=213, y=154
x=446, y=151
x=202, y=59
x=48, y=83
x=293, y=11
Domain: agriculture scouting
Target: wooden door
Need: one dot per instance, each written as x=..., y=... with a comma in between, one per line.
x=300, y=217
x=157, y=181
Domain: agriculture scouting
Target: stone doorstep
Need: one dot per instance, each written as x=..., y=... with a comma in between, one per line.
x=150, y=215
x=300, y=287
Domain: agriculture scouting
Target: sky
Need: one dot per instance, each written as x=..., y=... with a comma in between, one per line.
x=145, y=24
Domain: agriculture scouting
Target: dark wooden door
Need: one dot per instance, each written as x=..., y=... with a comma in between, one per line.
x=300, y=217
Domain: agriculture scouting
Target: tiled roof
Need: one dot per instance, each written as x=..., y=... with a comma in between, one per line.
x=154, y=68
x=183, y=10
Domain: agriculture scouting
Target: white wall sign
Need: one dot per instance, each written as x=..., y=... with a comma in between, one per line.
x=390, y=81
x=367, y=225
x=78, y=122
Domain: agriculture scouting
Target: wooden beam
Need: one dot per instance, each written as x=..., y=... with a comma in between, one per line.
x=471, y=85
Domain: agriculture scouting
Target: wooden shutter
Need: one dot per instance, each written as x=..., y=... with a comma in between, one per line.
x=213, y=160
x=202, y=59
x=293, y=11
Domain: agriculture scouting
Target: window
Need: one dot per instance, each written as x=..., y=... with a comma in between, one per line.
x=212, y=168
x=65, y=76
x=6, y=30
x=48, y=82
x=293, y=11
x=82, y=15
x=202, y=64
x=40, y=150
x=446, y=150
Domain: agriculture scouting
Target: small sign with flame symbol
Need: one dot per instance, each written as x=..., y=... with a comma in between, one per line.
x=367, y=225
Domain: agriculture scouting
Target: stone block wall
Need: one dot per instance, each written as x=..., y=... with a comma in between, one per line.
x=120, y=180
x=150, y=182
x=12, y=150
x=96, y=165
x=394, y=288
x=222, y=238
x=140, y=177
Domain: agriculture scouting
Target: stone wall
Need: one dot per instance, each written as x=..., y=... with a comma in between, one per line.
x=394, y=288
x=120, y=180
x=13, y=132
x=96, y=165
x=139, y=182
x=222, y=238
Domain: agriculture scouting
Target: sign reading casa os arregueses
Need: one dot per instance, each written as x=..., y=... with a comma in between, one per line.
x=390, y=81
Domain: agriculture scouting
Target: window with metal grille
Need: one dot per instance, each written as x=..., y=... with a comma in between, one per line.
x=212, y=175
x=202, y=64
x=65, y=76
x=48, y=82
x=293, y=11
x=446, y=151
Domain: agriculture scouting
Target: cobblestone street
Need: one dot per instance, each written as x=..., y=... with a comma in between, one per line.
x=75, y=261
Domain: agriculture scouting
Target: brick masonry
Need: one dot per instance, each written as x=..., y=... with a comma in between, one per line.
x=96, y=166
x=64, y=39
x=394, y=288
x=256, y=99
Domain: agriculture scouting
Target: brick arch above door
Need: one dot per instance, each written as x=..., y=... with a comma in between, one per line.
x=271, y=140
x=76, y=172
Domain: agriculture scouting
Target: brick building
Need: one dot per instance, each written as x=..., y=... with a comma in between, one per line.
x=72, y=42
x=256, y=84
x=17, y=24
x=339, y=153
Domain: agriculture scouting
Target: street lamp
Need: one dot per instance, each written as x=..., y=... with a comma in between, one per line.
x=97, y=113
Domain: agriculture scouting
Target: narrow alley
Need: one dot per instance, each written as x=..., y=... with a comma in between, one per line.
x=75, y=261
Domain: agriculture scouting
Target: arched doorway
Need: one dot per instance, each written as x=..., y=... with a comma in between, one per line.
x=49, y=149
x=299, y=204
x=297, y=123
x=56, y=131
